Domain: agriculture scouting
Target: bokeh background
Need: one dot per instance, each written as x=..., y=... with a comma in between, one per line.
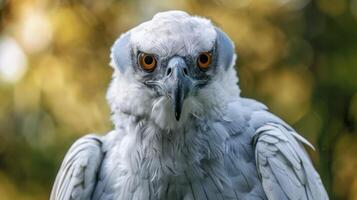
x=297, y=56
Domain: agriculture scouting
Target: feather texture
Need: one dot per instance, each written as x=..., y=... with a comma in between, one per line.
x=283, y=165
x=77, y=176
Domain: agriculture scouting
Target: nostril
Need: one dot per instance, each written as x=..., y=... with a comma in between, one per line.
x=168, y=72
x=185, y=71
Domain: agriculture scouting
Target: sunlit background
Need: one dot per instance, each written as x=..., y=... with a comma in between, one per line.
x=297, y=56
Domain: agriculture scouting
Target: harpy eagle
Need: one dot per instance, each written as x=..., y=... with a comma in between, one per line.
x=182, y=130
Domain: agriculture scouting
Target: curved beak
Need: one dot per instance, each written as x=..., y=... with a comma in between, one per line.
x=178, y=84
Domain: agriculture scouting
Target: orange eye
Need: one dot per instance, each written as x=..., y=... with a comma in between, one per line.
x=204, y=60
x=147, y=61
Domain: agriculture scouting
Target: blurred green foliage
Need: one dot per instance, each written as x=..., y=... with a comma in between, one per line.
x=297, y=56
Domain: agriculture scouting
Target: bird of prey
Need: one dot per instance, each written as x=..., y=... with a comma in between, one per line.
x=182, y=130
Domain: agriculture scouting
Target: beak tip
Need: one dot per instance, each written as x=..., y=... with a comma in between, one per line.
x=177, y=116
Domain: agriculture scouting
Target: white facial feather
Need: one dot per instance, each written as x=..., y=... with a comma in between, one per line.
x=171, y=33
x=174, y=32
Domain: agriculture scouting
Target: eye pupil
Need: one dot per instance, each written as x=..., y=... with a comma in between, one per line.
x=148, y=60
x=204, y=58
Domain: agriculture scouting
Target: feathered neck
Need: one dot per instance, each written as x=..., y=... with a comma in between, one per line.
x=157, y=153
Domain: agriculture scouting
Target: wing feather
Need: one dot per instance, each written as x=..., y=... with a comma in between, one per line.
x=77, y=176
x=284, y=167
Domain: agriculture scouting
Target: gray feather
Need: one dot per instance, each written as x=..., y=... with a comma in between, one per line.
x=76, y=178
x=285, y=169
